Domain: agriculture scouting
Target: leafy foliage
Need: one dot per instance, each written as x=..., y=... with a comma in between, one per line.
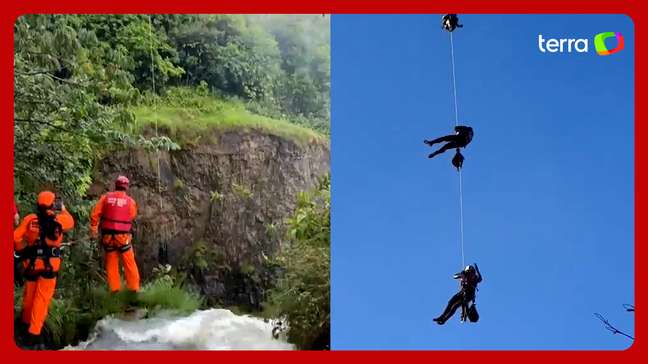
x=302, y=295
x=61, y=114
x=279, y=62
x=84, y=87
x=138, y=41
x=78, y=78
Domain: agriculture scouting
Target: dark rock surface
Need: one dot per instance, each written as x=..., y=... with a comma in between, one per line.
x=221, y=210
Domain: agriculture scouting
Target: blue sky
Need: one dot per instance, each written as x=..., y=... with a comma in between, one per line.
x=548, y=182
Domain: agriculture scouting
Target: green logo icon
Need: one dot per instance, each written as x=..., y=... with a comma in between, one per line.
x=601, y=48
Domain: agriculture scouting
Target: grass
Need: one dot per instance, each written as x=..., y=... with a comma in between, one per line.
x=165, y=294
x=186, y=115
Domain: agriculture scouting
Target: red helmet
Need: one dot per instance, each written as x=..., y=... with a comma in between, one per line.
x=122, y=181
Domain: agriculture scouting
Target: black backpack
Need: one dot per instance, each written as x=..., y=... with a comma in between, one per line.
x=473, y=315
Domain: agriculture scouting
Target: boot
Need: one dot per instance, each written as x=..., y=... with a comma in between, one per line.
x=33, y=342
x=439, y=320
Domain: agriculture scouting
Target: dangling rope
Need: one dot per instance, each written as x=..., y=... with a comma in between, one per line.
x=456, y=110
x=155, y=116
x=454, y=81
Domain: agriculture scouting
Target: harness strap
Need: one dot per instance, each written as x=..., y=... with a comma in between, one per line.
x=34, y=252
x=122, y=249
x=119, y=221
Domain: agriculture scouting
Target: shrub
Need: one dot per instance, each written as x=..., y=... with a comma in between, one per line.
x=302, y=295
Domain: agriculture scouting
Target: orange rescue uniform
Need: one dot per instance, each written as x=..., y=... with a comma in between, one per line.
x=40, y=277
x=116, y=237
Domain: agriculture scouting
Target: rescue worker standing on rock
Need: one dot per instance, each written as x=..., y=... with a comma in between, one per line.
x=114, y=214
x=37, y=243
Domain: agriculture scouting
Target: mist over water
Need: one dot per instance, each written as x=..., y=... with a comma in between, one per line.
x=213, y=329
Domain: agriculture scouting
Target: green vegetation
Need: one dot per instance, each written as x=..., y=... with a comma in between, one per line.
x=165, y=293
x=178, y=184
x=202, y=257
x=215, y=196
x=84, y=87
x=302, y=295
x=242, y=191
x=185, y=114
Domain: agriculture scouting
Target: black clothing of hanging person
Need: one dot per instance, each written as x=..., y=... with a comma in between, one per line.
x=450, y=22
x=469, y=277
x=457, y=160
x=462, y=137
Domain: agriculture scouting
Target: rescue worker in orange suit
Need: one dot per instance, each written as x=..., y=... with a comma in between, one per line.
x=37, y=242
x=114, y=214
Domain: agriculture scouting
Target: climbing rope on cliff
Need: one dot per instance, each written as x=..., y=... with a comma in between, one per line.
x=162, y=250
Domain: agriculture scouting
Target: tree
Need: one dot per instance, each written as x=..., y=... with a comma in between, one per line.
x=71, y=98
x=138, y=41
x=231, y=55
x=70, y=93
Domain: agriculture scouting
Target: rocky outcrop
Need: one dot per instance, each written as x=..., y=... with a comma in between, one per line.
x=218, y=210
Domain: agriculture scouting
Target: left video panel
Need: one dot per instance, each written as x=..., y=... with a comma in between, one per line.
x=172, y=178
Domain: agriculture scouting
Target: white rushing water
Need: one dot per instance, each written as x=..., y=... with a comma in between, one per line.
x=214, y=329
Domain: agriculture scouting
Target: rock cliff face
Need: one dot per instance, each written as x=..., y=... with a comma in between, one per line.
x=219, y=211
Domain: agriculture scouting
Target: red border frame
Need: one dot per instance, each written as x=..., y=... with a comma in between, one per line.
x=16, y=8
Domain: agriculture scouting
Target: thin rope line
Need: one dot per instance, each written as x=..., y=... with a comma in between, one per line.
x=461, y=219
x=454, y=81
x=155, y=116
x=456, y=109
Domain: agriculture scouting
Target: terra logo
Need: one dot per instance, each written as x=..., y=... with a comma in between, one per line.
x=581, y=45
x=599, y=43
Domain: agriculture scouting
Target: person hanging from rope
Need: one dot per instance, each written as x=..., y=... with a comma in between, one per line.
x=114, y=214
x=450, y=22
x=469, y=278
x=37, y=246
x=462, y=137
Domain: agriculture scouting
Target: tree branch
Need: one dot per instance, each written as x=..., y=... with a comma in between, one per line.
x=50, y=75
x=42, y=122
x=628, y=307
x=610, y=327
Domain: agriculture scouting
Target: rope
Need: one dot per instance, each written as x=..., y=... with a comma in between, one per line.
x=456, y=110
x=155, y=116
x=454, y=81
x=461, y=222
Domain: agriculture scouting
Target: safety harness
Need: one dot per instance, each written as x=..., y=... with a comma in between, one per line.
x=40, y=250
x=122, y=249
x=468, y=306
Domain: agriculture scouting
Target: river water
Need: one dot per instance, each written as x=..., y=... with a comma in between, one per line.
x=213, y=329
